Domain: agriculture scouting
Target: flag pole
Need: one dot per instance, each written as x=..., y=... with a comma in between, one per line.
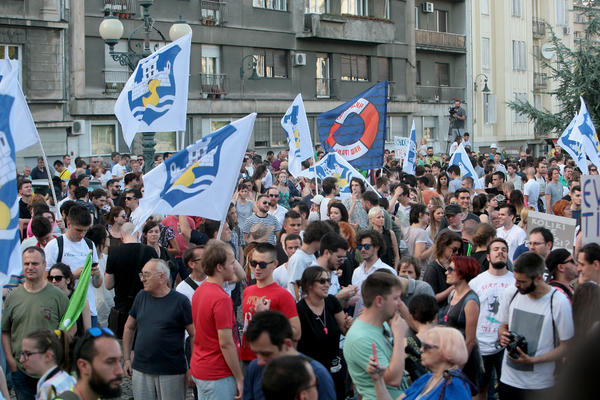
x=316, y=179
x=59, y=216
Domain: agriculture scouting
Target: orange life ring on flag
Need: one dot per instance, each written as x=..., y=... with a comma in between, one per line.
x=368, y=113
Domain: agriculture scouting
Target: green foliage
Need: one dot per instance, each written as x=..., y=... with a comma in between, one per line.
x=576, y=72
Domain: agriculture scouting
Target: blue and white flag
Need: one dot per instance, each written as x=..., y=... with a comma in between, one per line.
x=155, y=96
x=410, y=157
x=590, y=143
x=17, y=131
x=461, y=158
x=334, y=165
x=7, y=65
x=200, y=179
x=571, y=141
x=295, y=125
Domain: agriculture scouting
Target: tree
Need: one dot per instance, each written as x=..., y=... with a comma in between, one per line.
x=576, y=72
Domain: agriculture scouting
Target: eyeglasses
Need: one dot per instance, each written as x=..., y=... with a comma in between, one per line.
x=593, y=169
x=570, y=260
x=97, y=332
x=427, y=346
x=146, y=275
x=365, y=246
x=23, y=354
x=274, y=195
x=55, y=278
x=260, y=264
x=323, y=281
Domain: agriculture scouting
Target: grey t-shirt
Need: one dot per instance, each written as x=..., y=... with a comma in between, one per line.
x=416, y=235
x=555, y=190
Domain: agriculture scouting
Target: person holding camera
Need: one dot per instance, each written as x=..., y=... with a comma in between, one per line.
x=536, y=325
x=458, y=117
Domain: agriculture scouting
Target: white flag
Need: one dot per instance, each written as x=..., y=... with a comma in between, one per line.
x=572, y=142
x=17, y=131
x=461, y=159
x=590, y=143
x=295, y=125
x=410, y=158
x=199, y=180
x=155, y=96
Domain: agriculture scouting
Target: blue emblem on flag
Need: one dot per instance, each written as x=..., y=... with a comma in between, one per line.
x=194, y=169
x=293, y=142
x=153, y=91
x=9, y=209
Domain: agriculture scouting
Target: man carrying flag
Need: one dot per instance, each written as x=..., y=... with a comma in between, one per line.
x=410, y=157
x=295, y=125
x=461, y=159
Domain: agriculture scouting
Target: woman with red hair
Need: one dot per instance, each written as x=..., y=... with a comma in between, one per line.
x=462, y=312
x=351, y=262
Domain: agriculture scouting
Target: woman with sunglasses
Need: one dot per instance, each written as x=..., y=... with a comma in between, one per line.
x=443, y=352
x=60, y=275
x=447, y=244
x=114, y=220
x=462, y=312
x=323, y=322
x=43, y=354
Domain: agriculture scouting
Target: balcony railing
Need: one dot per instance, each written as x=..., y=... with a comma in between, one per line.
x=540, y=80
x=212, y=12
x=213, y=85
x=114, y=80
x=120, y=8
x=539, y=28
x=323, y=88
x=439, y=94
x=441, y=41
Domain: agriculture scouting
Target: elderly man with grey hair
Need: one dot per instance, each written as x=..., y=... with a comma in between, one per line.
x=158, y=319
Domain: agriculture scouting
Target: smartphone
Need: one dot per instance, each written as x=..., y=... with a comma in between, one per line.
x=375, y=352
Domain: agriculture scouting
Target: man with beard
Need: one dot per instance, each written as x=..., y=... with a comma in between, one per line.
x=489, y=286
x=114, y=191
x=542, y=315
x=332, y=256
x=98, y=359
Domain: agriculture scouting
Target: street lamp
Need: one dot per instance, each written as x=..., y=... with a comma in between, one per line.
x=485, y=90
x=111, y=31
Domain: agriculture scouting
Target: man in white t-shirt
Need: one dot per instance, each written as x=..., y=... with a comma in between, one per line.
x=513, y=234
x=331, y=188
x=490, y=286
x=291, y=243
x=542, y=315
x=192, y=258
x=120, y=169
x=74, y=251
x=531, y=190
x=275, y=209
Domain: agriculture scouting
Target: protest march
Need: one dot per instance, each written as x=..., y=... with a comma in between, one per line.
x=333, y=270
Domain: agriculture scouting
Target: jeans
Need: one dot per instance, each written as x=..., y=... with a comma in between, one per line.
x=25, y=386
x=221, y=389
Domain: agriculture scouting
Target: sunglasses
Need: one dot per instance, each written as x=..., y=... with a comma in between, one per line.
x=260, y=264
x=427, y=346
x=97, y=332
x=55, y=278
x=365, y=246
x=264, y=202
x=455, y=250
x=450, y=269
x=123, y=216
x=274, y=195
x=322, y=281
x=129, y=198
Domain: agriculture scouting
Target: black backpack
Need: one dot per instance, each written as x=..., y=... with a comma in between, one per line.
x=60, y=241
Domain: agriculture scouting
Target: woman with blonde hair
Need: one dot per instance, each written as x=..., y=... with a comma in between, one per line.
x=524, y=214
x=391, y=256
x=443, y=352
x=437, y=214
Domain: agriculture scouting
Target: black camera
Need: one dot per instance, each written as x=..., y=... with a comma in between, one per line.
x=516, y=340
x=452, y=110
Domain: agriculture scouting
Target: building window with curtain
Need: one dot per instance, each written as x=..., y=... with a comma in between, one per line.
x=323, y=80
x=485, y=53
x=280, y=5
x=12, y=52
x=271, y=63
x=165, y=141
x=354, y=68
x=103, y=138
x=316, y=6
x=519, y=55
x=355, y=7
x=489, y=108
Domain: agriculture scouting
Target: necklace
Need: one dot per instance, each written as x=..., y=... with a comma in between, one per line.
x=323, y=321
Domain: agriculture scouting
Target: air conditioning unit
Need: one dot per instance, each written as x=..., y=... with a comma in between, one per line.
x=299, y=59
x=566, y=30
x=78, y=127
x=427, y=7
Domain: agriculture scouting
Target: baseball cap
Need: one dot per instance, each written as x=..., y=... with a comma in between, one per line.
x=555, y=257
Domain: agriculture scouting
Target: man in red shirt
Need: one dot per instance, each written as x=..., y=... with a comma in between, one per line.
x=266, y=294
x=215, y=365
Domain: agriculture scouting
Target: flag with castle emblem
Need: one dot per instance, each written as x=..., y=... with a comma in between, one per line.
x=295, y=125
x=155, y=96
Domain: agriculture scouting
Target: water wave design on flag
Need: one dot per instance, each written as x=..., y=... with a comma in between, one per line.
x=193, y=170
x=153, y=91
x=334, y=165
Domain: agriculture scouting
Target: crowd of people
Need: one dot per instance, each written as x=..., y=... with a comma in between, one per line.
x=425, y=288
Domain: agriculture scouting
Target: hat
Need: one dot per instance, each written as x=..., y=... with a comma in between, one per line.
x=317, y=199
x=260, y=233
x=555, y=257
x=493, y=146
x=452, y=210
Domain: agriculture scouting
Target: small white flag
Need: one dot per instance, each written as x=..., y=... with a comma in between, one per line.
x=295, y=125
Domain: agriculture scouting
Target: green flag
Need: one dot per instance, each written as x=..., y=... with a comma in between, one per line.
x=79, y=296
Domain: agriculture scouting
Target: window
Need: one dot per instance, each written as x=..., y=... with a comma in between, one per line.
x=354, y=68
x=316, y=6
x=418, y=72
x=485, y=7
x=489, y=108
x=442, y=73
x=278, y=135
x=355, y=7
x=115, y=74
x=485, y=53
x=12, y=52
x=517, y=8
x=271, y=63
x=396, y=128
x=165, y=141
x=103, y=139
x=537, y=101
x=210, y=59
x=561, y=12
x=430, y=130
x=519, y=118
x=280, y=5
x=322, y=72
x=519, y=55
x=442, y=20
x=417, y=12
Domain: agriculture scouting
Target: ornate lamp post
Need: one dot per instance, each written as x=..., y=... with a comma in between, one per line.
x=111, y=31
x=485, y=90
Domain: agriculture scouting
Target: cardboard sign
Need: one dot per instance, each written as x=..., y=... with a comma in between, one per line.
x=400, y=147
x=590, y=208
x=562, y=228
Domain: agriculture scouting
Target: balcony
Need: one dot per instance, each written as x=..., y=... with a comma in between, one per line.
x=440, y=41
x=114, y=80
x=439, y=94
x=123, y=9
x=540, y=81
x=539, y=28
x=347, y=28
x=212, y=12
x=212, y=85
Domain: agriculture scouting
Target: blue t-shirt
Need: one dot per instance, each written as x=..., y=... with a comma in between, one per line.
x=253, y=381
x=456, y=389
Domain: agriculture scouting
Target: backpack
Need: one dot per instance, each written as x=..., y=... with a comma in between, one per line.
x=60, y=241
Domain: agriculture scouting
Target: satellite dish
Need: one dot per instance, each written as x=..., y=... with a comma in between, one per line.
x=548, y=51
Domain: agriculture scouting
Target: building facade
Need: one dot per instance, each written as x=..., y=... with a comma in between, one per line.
x=247, y=56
